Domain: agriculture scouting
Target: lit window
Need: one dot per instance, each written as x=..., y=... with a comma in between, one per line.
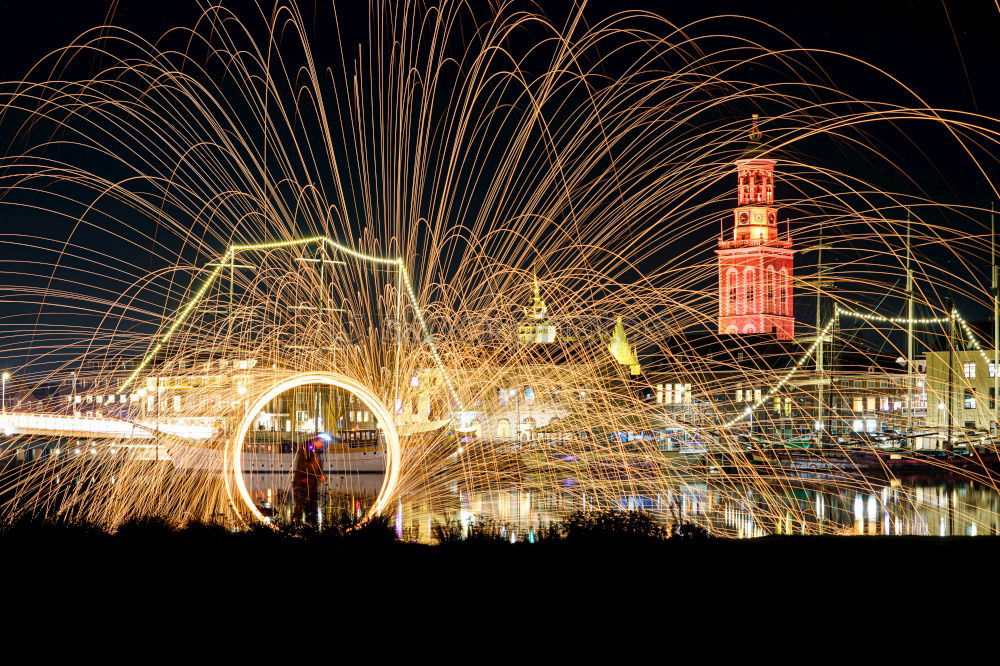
x=969, y=370
x=871, y=403
x=969, y=399
x=414, y=381
x=993, y=370
x=858, y=406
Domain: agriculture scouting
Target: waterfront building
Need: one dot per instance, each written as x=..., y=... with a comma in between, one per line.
x=960, y=392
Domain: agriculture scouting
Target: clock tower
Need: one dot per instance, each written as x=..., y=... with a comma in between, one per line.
x=755, y=267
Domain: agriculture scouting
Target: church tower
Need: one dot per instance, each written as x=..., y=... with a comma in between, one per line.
x=538, y=330
x=755, y=267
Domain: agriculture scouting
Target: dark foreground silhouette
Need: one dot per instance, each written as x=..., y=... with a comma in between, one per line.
x=620, y=535
x=599, y=565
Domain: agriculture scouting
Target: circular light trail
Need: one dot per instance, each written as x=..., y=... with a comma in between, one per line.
x=234, y=450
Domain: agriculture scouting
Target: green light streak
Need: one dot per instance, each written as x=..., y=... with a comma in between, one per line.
x=221, y=263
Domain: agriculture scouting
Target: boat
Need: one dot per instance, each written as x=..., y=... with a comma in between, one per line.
x=268, y=452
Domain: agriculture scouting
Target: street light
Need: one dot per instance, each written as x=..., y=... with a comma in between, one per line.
x=3, y=394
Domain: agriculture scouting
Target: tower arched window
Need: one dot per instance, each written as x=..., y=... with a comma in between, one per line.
x=769, y=304
x=732, y=288
x=750, y=280
x=783, y=292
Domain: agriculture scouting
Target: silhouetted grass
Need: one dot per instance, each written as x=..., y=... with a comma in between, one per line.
x=602, y=526
x=476, y=533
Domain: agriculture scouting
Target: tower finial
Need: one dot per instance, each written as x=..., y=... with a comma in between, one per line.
x=538, y=307
x=755, y=133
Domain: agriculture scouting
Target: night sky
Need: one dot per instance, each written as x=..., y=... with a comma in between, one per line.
x=947, y=56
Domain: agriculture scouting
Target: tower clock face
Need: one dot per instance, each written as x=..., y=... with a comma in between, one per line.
x=744, y=218
x=770, y=218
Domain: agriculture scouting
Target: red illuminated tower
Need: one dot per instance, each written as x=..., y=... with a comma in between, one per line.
x=755, y=267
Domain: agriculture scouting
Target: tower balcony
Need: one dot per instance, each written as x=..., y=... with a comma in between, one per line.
x=754, y=242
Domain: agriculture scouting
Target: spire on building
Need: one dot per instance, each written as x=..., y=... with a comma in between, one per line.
x=538, y=307
x=620, y=349
x=755, y=140
x=538, y=330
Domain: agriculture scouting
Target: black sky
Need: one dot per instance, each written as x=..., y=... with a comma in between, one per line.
x=948, y=52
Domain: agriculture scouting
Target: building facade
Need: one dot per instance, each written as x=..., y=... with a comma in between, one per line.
x=961, y=393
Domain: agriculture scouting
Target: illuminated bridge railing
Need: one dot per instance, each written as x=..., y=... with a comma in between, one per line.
x=17, y=423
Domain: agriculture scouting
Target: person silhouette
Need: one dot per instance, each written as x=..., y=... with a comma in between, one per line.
x=307, y=475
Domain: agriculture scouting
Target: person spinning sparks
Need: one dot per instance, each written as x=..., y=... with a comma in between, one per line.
x=307, y=475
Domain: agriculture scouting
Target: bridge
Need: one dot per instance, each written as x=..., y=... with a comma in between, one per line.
x=59, y=425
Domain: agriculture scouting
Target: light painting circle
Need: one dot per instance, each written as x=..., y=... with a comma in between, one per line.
x=234, y=466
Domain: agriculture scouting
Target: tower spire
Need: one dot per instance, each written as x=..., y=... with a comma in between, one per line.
x=755, y=134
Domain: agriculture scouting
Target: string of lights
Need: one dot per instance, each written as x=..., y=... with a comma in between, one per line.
x=866, y=316
x=230, y=254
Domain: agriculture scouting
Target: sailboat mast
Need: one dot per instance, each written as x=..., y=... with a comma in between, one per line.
x=909, y=327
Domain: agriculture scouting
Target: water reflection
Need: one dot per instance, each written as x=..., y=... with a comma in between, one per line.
x=926, y=507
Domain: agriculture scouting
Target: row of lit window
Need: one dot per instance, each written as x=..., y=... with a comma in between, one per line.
x=673, y=394
x=969, y=370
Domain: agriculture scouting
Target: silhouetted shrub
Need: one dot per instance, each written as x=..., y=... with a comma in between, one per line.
x=486, y=532
x=146, y=527
x=548, y=533
x=448, y=532
x=690, y=532
x=604, y=526
x=376, y=531
x=198, y=531
x=477, y=532
x=39, y=530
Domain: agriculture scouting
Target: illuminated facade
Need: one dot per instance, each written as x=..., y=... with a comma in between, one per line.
x=756, y=266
